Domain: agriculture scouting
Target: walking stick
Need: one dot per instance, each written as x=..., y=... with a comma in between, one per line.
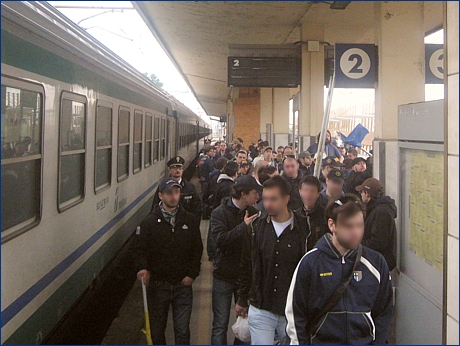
x=146, y=331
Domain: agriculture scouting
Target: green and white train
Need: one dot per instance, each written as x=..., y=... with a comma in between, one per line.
x=85, y=139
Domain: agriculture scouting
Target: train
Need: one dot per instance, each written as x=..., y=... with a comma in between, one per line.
x=85, y=140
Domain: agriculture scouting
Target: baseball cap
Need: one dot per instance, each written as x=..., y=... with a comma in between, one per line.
x=331, y=161
x=304, y=154
x=244, y=163
x=371, y=185
x=268, y=148
x=358, y=160
x=247, y=182
x=167, y=183
x=335, y=175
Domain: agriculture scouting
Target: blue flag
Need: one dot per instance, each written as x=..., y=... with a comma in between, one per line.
x=356, y=136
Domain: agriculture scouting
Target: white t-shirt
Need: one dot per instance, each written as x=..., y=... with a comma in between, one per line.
x=281, y=226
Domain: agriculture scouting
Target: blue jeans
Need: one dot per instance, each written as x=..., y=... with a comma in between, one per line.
x=264, y=325
x=160, y=296
x=222, y=293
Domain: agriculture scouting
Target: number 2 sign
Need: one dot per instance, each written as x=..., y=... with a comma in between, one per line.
x=355, y=65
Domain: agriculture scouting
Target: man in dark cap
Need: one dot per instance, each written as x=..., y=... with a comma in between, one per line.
x=327, y=164
x=305, y=161
x=189, y=197
x=359, y=173
x=245, y=168
x=334, y=186
x=167, y=252
x=380, y=226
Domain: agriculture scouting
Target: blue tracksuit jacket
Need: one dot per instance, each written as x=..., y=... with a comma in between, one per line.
x=362, y=316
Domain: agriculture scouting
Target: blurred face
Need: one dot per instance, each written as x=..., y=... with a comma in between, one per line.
x=306, y=161
x=274, y=202
x=240, y=157
x=325, y=171
x=223, y=146
x=212, y=153
x=268, y=155
x=176, y=172
x=365, y=196
x=349, y=232
x=343, y=151
x=244, y=169
x=352, y=156
x=251, y=198
x=280, y=151
x=334, y=187
x=170, y=198
x=328, y=138
x=360, y=167
x=291, y=168
x=309, y=194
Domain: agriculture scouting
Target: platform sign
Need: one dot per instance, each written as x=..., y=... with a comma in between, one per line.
x=355, y=65
x=434, y=64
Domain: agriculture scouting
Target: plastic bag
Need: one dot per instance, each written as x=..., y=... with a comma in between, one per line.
x=241, y=329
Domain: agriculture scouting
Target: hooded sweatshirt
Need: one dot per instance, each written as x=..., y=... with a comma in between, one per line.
x=223, y=188
x=362, y=315
x=380, y=228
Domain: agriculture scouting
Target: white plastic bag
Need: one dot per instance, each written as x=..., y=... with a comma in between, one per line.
x=241, y=329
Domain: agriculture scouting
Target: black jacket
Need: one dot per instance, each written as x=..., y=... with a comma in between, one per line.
x=189, y=199
x=362, y=315
x=355, y=179
x=295, y=202
x=168, y=253
x=316, y=220
x=208, y=188
x=268, y=262
x=228, y=229
x=223, y=189
x=380, y=228
x=306, y=170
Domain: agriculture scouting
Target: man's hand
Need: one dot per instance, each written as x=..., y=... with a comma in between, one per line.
x=248, y=219
x=241, y=311
x=143, y=275
x=187, y=281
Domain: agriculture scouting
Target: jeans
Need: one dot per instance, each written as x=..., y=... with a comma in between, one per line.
x=222, y=293
x=264, y=325
x=160, y=296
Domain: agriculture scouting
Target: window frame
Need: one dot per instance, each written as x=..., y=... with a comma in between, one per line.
x=162, y=137
x=99, y=189
x=70, y=96
x=23, y=227
x=141, y=142
x=156, y=140
x=128, y=109
x=146, y=142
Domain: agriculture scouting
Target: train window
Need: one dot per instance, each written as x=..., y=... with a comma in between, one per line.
x=21, y=157
x=148, y=140
x=72, y=149
x=163, y=139
x=156, y=143
x=124, y=115
x=137, y=148
x=103, y=162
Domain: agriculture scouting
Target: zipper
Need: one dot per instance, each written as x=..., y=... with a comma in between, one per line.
x=172, y=229
x=343, y=259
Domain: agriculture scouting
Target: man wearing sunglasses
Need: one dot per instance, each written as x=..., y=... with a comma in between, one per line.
x=341, y=291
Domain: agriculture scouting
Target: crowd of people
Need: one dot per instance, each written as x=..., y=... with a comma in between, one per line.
x=305, y=259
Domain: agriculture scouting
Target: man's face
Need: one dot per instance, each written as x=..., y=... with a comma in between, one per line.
x=349, y=232
x=343, y=151
x=365, y=196
x=268, y=155
x=309, y=194
x=334, y=187
x=291, y=168
x=352, y=156
x=244, y=169
x=274, y=202
x=251, y=198
x=176, y=172
x=280, y=151
x=325, y=170
x=306, y=160
x=240, y=157
x=360, y=167
x=328, y=138
x=212, y=153
x=171, y=198
x=223, y=146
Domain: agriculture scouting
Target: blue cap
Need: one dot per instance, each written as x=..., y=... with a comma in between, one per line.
x=331, y=161
x=167, y=183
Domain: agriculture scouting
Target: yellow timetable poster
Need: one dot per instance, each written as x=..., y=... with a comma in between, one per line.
x=426, y=206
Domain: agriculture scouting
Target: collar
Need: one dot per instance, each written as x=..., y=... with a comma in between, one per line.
x=269, y=219
x=236, y=205
x=328, y=238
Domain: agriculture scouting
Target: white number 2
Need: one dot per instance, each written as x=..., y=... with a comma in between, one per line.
x=236, y=63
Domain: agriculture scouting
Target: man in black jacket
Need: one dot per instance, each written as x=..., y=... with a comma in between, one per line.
x=225, y=182
x=229, y=223
x=312, y=209
x=293, y=176
x=380, y=226
x=168, y=251
x=359, y=173
x=189, y=197
x=271, y=251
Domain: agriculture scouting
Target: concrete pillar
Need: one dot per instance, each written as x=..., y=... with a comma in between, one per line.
x=399, y=34
x=281, y=98
x=266, y=110
x=451, y=124
x=312, y=86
